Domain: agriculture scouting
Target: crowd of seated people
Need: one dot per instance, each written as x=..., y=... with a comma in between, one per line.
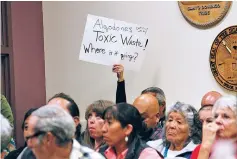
x=145, y=129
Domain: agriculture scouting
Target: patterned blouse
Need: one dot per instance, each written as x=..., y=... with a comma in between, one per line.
x=10, y=147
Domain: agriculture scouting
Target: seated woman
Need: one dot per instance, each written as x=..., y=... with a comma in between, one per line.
x=222, y=130
x=14, y=154
x=121, y=131
x=93, y=137
x=182, y=132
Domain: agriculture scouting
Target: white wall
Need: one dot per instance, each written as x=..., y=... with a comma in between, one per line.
x=177, y=54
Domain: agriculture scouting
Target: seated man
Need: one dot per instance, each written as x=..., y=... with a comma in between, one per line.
x=52, y=132
x=160, y=96
x=148, y=107
x=68, y=104
x=155, y=91
x=208, y=100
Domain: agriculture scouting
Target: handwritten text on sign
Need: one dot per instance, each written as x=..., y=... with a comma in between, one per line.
x=107, y=41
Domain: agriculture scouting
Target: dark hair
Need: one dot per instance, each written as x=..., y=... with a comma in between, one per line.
x=160, y=95
x=98, y=107
x=206, y=107
x=128, y=114
x=27, y=114
x=156, y=90
x=72, y=107
x=73, y=110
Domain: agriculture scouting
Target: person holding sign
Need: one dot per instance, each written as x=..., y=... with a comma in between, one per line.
x=120, y=93
x=158, y=93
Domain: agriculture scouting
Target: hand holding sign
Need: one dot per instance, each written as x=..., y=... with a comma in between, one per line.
x=118, y=68
x=107, y=41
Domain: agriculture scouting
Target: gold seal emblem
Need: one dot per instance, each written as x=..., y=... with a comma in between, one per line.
x=223, y=58
x=204, y=14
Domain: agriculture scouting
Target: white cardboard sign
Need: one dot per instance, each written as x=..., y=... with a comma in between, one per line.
x=108, y=41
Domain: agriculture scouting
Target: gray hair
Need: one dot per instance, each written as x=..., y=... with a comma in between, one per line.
x=56, y=120
x=191, y=116
x=228, y=101
x=160, y=95
x=6, y=132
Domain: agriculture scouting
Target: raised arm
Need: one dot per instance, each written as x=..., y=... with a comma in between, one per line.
x=120, y=92
x=208, y=138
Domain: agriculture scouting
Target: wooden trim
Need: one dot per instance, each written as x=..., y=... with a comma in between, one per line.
x=7, y=50
x=6, y=37
x=11, y=59
x=9, y=27
x=5, y=75
x=4, y=24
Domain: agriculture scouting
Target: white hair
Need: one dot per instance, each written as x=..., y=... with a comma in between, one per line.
x=228, y=101
x=6, y=132
x=54, y=119
x=191, y=116
x=223, y=149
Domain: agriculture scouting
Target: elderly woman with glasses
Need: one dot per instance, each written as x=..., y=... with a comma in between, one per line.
x=182, y=132
x=222, y=131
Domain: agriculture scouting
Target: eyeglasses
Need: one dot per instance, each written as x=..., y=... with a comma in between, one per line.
x=35, y=135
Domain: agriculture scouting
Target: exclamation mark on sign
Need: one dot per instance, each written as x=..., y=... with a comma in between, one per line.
x=145, y=44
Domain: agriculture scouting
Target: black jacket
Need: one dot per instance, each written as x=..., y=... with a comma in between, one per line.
x=121, y=93
x=14, y=154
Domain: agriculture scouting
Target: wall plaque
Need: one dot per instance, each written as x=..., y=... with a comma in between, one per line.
x=223, y=58
x=204, y=14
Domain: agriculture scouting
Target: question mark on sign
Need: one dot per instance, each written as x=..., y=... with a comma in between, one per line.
x=135, y=56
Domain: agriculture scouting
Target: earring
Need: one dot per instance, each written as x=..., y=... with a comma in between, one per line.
x=126, y=139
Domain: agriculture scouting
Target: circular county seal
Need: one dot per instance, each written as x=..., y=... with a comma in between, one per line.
x=204, y=14
x=223, y=58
